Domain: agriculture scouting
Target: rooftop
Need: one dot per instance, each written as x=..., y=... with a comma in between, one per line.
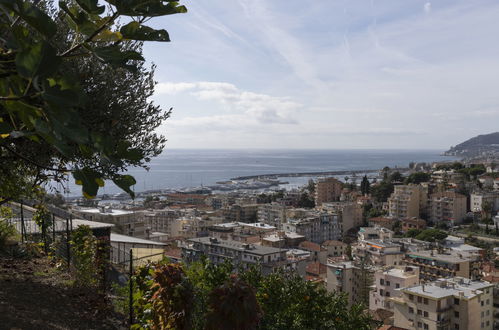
x=449, y=257
x=450, y=287
x=133, y=240
x=250, y=248
x=106, y=211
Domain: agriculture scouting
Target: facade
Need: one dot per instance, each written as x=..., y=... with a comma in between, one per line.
x=327, y=190
x=125, y=222
x=334, y=248
x=387, y=284
x=241, y=254
x=382, y=222
x=348, y=277
x=413, y=223
x=448, y=207
x=273, y=214
x=351, y=213
x=407, y=201
x=160, y=220
x=454, y=303
x=241, y=213
x=317, y=228
x=435, y=265
x=379, y=252
x=478, y=199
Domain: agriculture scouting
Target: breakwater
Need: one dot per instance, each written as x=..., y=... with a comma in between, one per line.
x=298, y=174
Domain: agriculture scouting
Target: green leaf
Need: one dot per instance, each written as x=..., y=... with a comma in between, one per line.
x=91, y=6
x=149, y=8
x=125, y=182
x=88, y=179
x=32, y=15
x=79, y=18
x=135, y=31
x=40, y=59
x=116, y=57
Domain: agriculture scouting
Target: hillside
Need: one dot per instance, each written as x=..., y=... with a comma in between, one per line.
x=476, y=146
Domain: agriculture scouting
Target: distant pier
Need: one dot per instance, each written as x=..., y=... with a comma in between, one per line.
x=298, y=174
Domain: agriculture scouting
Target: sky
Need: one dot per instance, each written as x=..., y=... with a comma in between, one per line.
x=350, y=74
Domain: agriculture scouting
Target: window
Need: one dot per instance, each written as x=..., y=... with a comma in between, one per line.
x=425, y=326
x=411, y=310
x=381, y=292
x=420, y=325
x=487, y=313
x=456, y=326
x=411, y=297
x=425, y=301
x=456, y=301
x=456, y=314
x=420, y=299
x=420, y=312
x=488, y=323
x=387, y=283
x=425, y=314
x=382, y=281
x=481, y=302
x=387, y=294
x=397, y=285
x=488, y=301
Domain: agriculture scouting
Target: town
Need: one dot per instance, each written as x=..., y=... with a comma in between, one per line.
x=419, y=248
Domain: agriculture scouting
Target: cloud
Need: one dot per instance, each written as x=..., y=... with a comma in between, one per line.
x=243, y=105
x=427, y=7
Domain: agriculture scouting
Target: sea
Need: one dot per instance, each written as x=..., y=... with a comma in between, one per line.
x=184, y=168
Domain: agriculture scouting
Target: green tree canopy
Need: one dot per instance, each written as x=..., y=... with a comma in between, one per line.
x=431, y=235
x=74, y=92
x=417, y=178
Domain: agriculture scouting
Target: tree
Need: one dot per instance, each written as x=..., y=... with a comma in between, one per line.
x=382, y=190
x=417, y=178
x=431, y=235
x=365, y=185
x=306, y=201
x=50, y=120
x=396, y=177
x=311, y=186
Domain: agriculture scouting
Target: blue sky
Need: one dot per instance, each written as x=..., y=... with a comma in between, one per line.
x=328, y=74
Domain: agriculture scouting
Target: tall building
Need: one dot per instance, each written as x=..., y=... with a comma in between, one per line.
x=350, y=278
x=449, y=264
x=448, y=207
x=273, y=214
x=387, y=284
x=454, y=303
x=351, y=213
x=317, y=228
x=327, y=190
x=407, y=201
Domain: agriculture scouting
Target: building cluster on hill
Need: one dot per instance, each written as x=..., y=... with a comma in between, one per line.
x=392, y=254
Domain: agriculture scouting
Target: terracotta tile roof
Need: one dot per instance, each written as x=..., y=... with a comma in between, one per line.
x=315, y=268
x=309, y=246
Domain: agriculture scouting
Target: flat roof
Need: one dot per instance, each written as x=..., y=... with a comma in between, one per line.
x=254, y=249
x=133, y=240
x=451, y=257
x=108, y=211
x=31, y=227
x=450, y=287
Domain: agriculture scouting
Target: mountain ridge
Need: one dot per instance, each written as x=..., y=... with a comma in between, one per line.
x=480, y=145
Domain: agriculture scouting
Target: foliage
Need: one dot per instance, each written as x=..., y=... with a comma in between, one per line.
x=431, y=235
x=396, y=177
x=417, y=178
x=473, y=171
x=450, y=166
x=311, y=186
x=42, y=217
x=7, y=230
x=413, y=232
x=382, y=190
x=306, y=200
x=365, y=185
x=207, y=296
x=50, y=120
x=84, y=256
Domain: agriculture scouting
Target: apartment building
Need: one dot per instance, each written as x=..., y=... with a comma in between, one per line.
x=387, y=284
x=125, y=222
x=478, y=199
x=327, y=190
x=351, y=213
x=434, y=265
x=160, y=220
x=413, y=223
x=407, y=201
x=453, y=303
x=368, y=233
x=241, y=213
x=273, y=214
x=334, y=248
x=379, y=252
x=448, y=207
x=318, y=228
x=241, y=254
x=347, y=277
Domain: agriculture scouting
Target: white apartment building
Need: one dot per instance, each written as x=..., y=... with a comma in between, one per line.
x=273, y=214
x=453, y=303
x=477, y=200
x=125, y=222
x=387, y=284
x=317, y=228
x=448, y=207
